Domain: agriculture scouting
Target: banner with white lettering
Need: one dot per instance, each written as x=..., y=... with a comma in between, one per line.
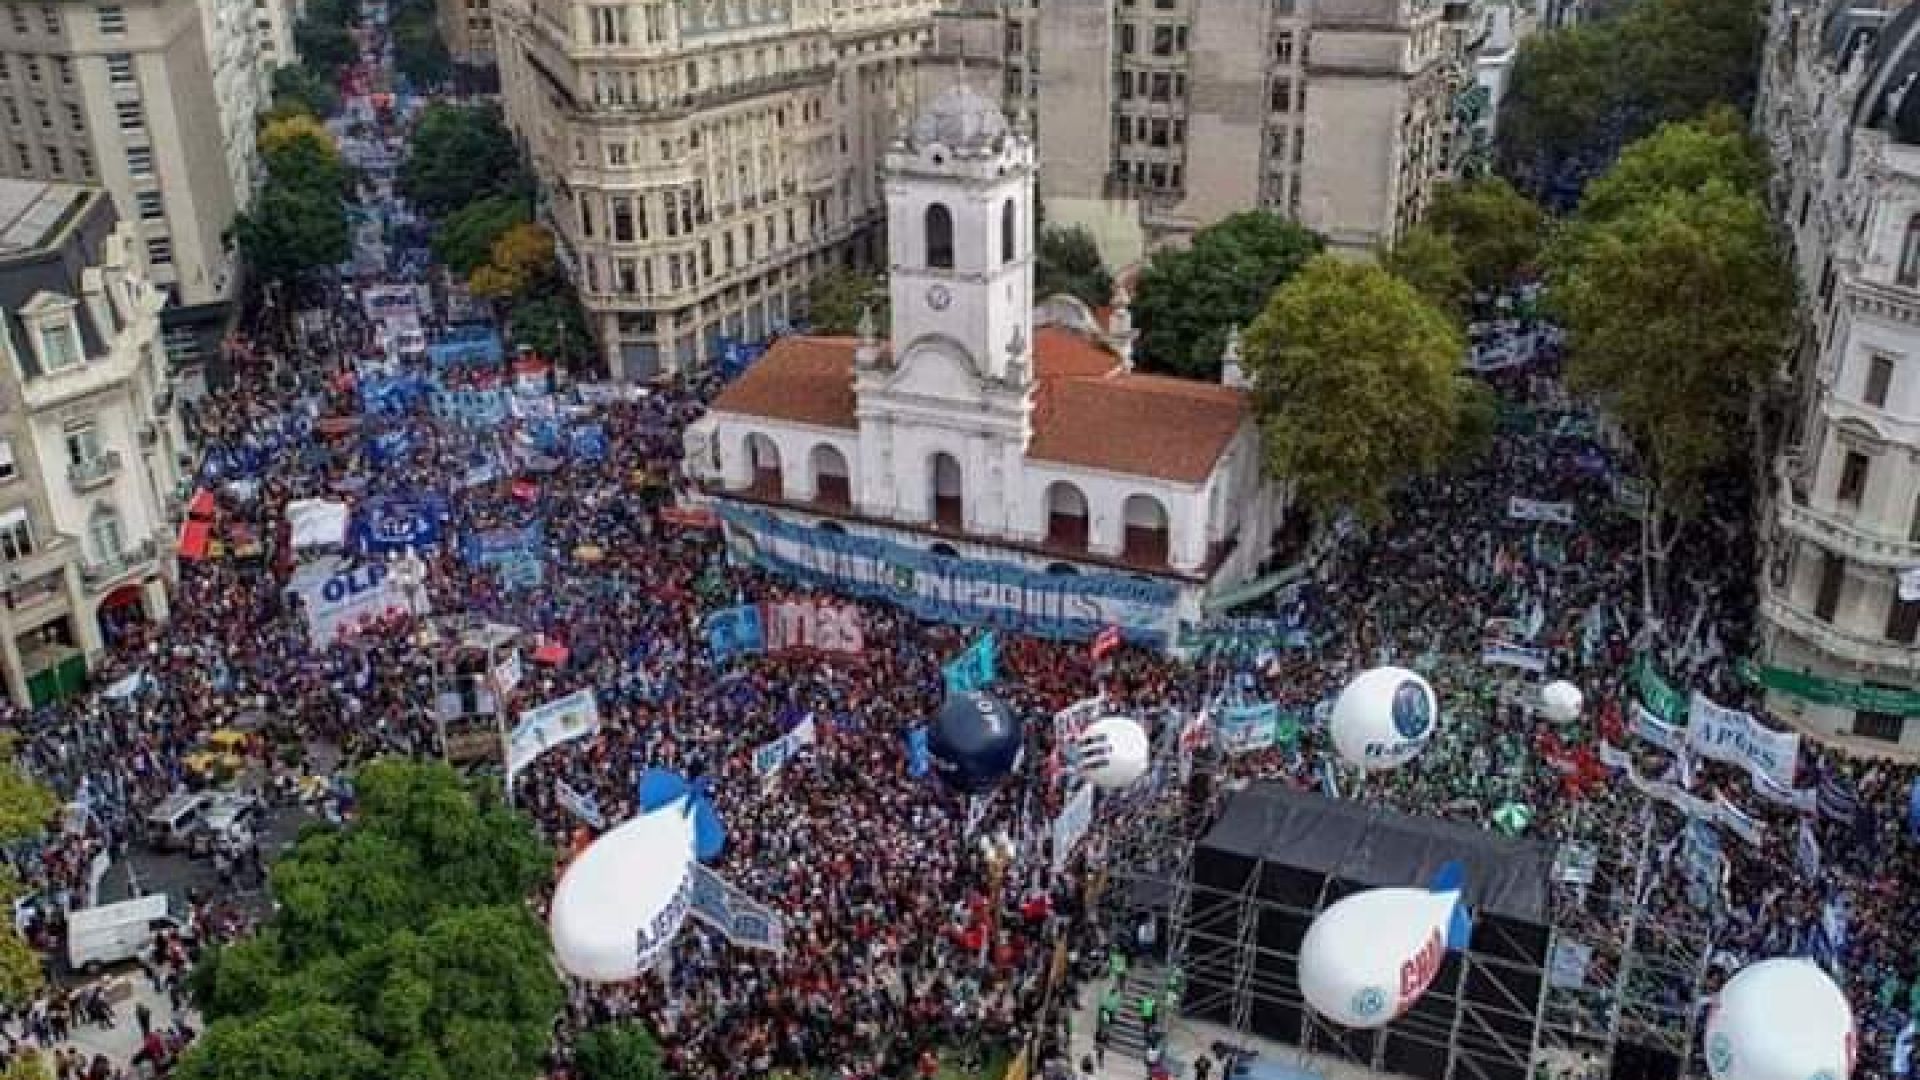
x=773, y=756
x=1075, y=819
x=546, y=726
x=1551, y=513
x=581, y=805
x=1669, y=737
x=1510, y=654
x=802, y=626
x=743, y=921
x=1567, y=965
x=1736, y=738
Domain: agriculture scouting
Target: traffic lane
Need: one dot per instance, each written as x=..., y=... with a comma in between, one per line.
x=177, y=873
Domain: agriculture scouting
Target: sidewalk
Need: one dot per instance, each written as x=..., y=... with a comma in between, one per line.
x=121, y=1041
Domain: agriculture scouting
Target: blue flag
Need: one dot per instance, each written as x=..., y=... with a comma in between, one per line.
x=917, y=761
x=975, y=668
x=1913, y=810
x=735, y=630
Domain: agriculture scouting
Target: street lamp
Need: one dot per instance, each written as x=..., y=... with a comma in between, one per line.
x=998, y=851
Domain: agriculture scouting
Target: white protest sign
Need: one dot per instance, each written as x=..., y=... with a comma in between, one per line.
x=1736, y=738
x=542, y=728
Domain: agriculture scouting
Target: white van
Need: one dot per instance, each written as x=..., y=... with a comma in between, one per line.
x=112, y=933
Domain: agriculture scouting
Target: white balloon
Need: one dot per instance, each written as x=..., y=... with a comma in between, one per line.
x=622, y=900
x=1561, y=701
x=1384, y=718
x=1780, y=1019
x=1114, y=752
x=1369, y=957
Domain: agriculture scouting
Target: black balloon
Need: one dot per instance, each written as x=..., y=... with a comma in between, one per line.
x=973, y=743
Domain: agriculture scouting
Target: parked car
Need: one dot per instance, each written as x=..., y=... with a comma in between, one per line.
x=231, y=821
x=171, y=825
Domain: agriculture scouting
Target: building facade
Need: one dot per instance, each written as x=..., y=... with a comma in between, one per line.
x=701, y=163
x=979, y=463
x=467, y=28
x=1839, y=633
x=1159, y=117
x=89, y=439
x=154, y=100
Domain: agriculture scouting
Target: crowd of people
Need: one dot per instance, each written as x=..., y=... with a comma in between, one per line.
x=901, y=936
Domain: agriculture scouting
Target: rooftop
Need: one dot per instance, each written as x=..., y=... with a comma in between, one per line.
x=32, y=213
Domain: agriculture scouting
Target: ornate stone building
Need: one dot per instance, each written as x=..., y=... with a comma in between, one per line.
x=1843, y=526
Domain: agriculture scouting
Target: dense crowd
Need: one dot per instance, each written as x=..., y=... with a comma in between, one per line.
x=900, y=934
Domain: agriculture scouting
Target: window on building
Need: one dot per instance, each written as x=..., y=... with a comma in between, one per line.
x=1883, y=727
x=13, y=111
x=159, y=251
x=1910, y=253
x=83, y=443
x=1009, y=232
x=104, y=535
x=1163, y=40
x=1853, y=478
x=622, y=220
x=120, y=69
x=140, y=161
x=1281, y=99
x=24, y=153
x=50, y=15
x=130, y=114
x=46, y=117
x=939, y=230
x=1903, y=620
x=1126, y=39
x=76, y=119
x=152, y=206
x=113, y=19
x=54, y=164
x=65, y=67
x=58, y=349
x=1879, y=379
x=8, y=470
x=1283, y=47
x=84, y=159
x=1833, y=574
x=16, y=534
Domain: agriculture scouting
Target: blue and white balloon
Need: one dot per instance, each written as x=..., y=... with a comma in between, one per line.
x=1113, y=752
x=974, y=742
x=1384, y=718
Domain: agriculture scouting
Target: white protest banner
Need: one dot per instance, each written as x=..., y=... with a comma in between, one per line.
x=337, y=598
x=798, y=626
x=542, y=728
x=1803, y=800
x=1068, y=723
x=1669, y=737
x=1736, y=738
x=583, y=806
x=507, y=674
x=1075, y=819
x=317, y=523
x=770, y=758
x=1567, y=965
x=1807, y=852
x=1551, y=513
x=1509, y=654
x=1613, y=757
x=1737, y=821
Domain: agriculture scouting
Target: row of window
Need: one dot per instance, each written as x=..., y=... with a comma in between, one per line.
x=1164, y=39
x=937, y=228
x=109, y=18
x=104, y=534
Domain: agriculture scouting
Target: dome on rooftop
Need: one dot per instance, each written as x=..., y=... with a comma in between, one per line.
x=959, y=119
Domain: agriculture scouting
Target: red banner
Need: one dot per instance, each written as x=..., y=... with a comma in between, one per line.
x=690, y=517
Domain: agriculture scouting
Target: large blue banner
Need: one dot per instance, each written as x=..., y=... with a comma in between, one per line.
x=385, y=448
x=466, y=346
x=945, y=589
x=393, y=523
x=471, y=408
x=735, y=631
x=587, y=442
x=392, y=395
x=516, y=555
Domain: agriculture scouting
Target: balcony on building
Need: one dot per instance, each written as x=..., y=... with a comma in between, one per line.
x=101, y=572
x=94, y=472
x=1836, y=532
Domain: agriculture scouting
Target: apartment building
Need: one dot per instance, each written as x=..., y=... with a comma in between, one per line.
x=467, y=28
x=1158, y=117
x=88, y=436
x=154, y=100
x=702, y=162
x=1840, y=570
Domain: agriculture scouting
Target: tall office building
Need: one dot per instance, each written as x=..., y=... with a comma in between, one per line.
x=154, y=100
x=1840, y=573
x=1158, y=117
x=701, y=162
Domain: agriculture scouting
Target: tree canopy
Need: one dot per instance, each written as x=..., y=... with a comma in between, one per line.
x=26, y=807
x=1189, y=299
x=624, y=1051
x=553, y=325
x=460, y=154
x=419, y=53
x=520, y=264
x=1427, y=260
x=1355, y=380
x=299, y=151
x=298, y=221
x=296, y=88
x=1679, y=156
x=1495, y=230
x=402, y=947
x=464, y=241
x=837, y=298
x=1068, y=262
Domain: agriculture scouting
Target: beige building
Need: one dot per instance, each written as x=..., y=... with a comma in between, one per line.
x=702, y=162
x=1158, y=117
x=88, y=436
x=154, y=100
x=467, y=28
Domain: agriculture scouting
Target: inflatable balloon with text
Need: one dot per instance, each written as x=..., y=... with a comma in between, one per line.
x=1369, y=957
x=974, y=742
x=1113, y=752
x=1384, y=718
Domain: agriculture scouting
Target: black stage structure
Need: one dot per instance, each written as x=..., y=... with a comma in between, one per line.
x=1277, y=857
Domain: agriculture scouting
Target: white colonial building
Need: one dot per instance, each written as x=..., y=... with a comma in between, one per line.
x=1839, y=641
x=987, y=463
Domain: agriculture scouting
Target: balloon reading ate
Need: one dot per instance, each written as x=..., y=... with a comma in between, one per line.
x=1780, y=1019
x=1561, y=701
x=1369, y=957
x=1113, y=753
x=1384, y=718
x=973, y=743
x=620, y=903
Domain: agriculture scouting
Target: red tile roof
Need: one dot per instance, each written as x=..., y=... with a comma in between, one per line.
x=1088, y=410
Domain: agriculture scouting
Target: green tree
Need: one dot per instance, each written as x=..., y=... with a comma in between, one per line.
x=327, y=47
x=291, y=231
x=1683, y=57
x=26, y=806
x=1069, y=262
x=1677, y=309
x=522, y=261
x=299, y=152
x=312, y=1042
x=1189, y=299
x=418, y=52
x=459, y=155
x=555, y=326
x=1427, y=260
x=1562, y=99
x=464, y=241
x=1354, y=380
x=296, y=87
x=1495, y=229
x=618, y=1052
x=837, y=299
x=1676, y=157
